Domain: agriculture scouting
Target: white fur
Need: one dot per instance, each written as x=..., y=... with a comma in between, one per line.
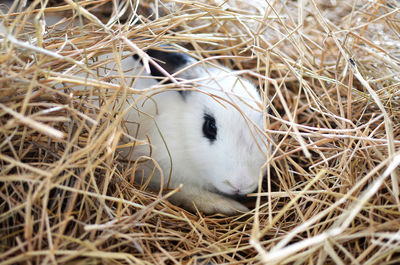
x=230, y=165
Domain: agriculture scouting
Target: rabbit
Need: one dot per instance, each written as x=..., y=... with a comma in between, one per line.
x=205, y=133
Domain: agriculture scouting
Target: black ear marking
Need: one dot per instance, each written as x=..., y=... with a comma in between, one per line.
x=170, y=61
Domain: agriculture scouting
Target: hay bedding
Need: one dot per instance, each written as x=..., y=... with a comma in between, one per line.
x=67, y=197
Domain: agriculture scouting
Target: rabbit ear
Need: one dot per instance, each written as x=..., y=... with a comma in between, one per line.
x=170, y=61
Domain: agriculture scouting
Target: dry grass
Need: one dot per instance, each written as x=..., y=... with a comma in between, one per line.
x=335, y=117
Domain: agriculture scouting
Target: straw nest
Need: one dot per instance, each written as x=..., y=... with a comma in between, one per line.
x=328, y=71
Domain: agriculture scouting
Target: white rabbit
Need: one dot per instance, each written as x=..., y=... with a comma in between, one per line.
x=205, y=134
x=211, y=141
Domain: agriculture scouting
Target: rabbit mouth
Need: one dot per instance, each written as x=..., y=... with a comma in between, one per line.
x=236, y=195
x=242, y=198
x=229, y=188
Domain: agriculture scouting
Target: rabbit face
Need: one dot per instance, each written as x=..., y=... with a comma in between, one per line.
x=213, y=142
x=222, y=148
x=209, y=136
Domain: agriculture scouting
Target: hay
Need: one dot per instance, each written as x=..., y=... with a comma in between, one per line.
x=331, y=194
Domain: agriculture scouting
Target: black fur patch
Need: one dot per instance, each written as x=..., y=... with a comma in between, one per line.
x=170, y=61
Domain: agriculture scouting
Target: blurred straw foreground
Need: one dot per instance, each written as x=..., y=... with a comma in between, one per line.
x=328, y=71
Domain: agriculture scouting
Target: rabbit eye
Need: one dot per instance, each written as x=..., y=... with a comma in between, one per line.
x=209, y=127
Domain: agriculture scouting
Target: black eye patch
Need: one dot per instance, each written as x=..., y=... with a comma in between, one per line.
x=209, y=127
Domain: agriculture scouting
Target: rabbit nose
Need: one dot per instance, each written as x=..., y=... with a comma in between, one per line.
x=238, y=188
